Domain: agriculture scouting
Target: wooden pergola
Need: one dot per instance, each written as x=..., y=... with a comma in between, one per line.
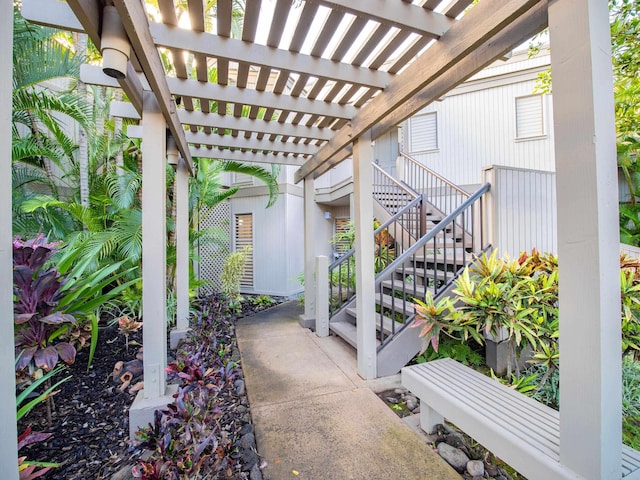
x=312, y=83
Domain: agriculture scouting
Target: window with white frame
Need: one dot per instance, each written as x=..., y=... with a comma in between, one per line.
x=423, y=135
x=529, y=117
x=242, y=179
x=244, y=238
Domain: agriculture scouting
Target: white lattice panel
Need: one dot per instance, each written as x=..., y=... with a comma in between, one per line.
x=213, y=253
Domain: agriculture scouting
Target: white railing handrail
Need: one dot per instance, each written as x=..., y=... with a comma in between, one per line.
x=409, y=191
x=436, y=175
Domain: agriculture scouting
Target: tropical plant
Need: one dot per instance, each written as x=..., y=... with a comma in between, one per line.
x=232, y=272
x=26, y=400
x=37, y=293
x=434, y=318
x=186, y=438
x=29, y=470
x=460, y=351
x=262, y=302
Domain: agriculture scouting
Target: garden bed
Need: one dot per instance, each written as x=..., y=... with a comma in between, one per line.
x=90, y=421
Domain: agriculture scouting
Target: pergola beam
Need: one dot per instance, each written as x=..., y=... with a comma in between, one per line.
x=479, y=25
x=216, y=140
x=532, y=22
x=135, y=22
x=246, y=96
x=228, y=122
x=401, y=15
x=51, y=13
x=259, y=55
x=246, y=157
x=87, y=14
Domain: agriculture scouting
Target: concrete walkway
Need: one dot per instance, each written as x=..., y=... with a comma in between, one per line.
x=314, y=417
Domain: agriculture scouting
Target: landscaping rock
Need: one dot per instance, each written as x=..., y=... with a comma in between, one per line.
x=240, y=388
x=491, y=469
x=247, y=441
x=455, y=439
x=454, y=457
x=475, y=468
x=256, y=473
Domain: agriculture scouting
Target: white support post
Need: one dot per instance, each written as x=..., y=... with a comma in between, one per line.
x=154, y=267
x=588, y=238
x=9, y=450
x=182, y=254
x=364, y=245
x=322, y=296
x=154, y=247
x=307, y=319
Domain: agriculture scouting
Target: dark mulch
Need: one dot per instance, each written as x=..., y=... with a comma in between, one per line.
x=90, y=421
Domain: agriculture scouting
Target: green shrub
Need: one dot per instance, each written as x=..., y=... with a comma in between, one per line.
x=232, y=272
x=455, y=349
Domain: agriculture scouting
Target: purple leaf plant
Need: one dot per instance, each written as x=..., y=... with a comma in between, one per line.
x=36, y=291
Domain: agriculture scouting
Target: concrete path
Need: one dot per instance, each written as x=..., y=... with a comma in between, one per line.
x=314, y=417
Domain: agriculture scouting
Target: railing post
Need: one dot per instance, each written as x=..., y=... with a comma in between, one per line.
x=489, y=214
x=423, y=215
x=322, y=296
x=400, y=168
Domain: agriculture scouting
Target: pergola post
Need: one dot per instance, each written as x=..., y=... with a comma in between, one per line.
x=182, y=254
x=8, y=427
x=588, y=238
x=307, y=319
x=154, y=266
x=364, y=245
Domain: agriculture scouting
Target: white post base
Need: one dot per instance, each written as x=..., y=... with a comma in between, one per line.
x=142, y=409
x=307, y=322
x=176, y=336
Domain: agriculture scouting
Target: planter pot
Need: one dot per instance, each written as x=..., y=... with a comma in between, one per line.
x=497, y=353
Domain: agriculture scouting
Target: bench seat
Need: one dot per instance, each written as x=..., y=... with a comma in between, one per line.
x=518, y=429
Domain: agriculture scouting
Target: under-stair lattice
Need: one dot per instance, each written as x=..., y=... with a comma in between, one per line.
x=212, y=254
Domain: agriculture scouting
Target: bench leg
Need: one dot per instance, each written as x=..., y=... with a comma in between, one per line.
x=429, y=418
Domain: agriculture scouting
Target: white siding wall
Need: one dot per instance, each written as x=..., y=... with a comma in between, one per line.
x=278, y=242
x=477, y=129
x=338, y=174
x=523, y=210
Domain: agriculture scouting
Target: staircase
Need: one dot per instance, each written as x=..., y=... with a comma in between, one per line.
x=430, y=231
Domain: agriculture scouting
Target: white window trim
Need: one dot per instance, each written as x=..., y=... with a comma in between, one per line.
x=235, y=246
x=543, y=119
x=411, y=133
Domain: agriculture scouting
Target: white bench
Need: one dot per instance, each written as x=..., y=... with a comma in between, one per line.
x=519, y=430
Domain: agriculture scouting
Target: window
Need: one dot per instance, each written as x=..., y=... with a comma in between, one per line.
x=423, y=133
x=242, y=179
x=529, y=117
x=244, y=238
x=342, y=243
